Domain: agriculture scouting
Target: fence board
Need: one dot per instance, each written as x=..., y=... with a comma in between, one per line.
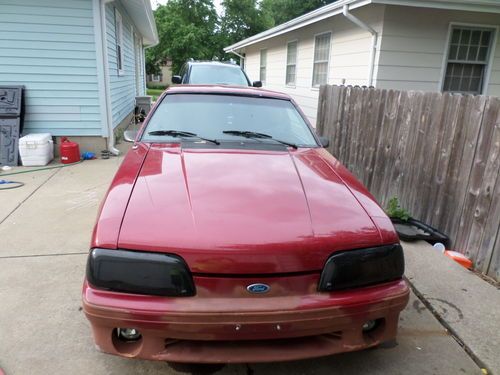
x=470, y=213
x=373, y=132
x=472, y=124
x=439, y=153
x=418, y=126
x=486, y=186
x=442, y=158
x=381, y=180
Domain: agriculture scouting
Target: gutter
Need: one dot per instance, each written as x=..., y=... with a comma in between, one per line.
x=152, y=23
x=242, y=58
x=105, y=62
x=314, y=16
x=369, y=29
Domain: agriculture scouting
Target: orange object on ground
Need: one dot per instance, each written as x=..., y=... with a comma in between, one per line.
x=459, y=258
x=69, y=151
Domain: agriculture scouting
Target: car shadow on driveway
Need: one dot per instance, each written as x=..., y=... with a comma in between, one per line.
x=44, y=331
x=43, y=246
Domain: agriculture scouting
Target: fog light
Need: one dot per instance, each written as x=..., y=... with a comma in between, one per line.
x=128, y=334
x=369, y=325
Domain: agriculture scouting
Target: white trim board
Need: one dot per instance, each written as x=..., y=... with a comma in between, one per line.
x=491, y=57
x=101, y=77
x=333, y=9
x=328, y=63
x=296, y=40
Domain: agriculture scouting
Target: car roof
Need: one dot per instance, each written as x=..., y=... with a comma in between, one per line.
x=226, y=90
x=220, y=63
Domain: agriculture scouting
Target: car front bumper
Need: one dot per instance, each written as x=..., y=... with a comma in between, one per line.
x=245, y=329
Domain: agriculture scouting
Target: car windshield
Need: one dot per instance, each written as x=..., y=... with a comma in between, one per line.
x=216, y=75
x=222, y=117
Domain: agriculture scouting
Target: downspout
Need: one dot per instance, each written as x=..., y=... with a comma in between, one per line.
x=369, y=29
x=242, y=58
x=105, y=62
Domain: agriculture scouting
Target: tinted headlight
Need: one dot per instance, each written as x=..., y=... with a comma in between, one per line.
x=363, y=267
x=139, y=272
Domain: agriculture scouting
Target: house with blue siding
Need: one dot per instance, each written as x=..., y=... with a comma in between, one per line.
x=81, y=63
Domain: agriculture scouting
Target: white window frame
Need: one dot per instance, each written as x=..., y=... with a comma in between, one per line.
x=120, y=63
x=262, y=66
x=489, y=65
x=316, y=87
x=287, y=64
x=155, y=78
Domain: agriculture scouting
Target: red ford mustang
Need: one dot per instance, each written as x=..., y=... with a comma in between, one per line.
x=230, y=235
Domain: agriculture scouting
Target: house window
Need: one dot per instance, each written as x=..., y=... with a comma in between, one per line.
x=119, y=42
x=321, y=59
x=263, y=64
x=155, y=78
x=468, y=58
x=291, y=63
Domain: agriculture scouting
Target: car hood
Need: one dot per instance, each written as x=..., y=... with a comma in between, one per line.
x=251, y=212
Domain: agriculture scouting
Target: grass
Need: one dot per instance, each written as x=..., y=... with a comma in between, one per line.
x=155, y=93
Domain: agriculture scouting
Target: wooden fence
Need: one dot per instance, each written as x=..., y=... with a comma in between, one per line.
x=438, y=153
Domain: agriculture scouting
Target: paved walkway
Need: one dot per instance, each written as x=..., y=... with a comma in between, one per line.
x=466, y=304
x=44, y=235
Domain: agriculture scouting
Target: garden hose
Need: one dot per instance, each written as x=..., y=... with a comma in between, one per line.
x=40, y=169
x=8, y=185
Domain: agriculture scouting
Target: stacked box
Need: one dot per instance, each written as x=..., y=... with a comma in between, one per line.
x=144, y=103
x=11, y=111
x=9, y=140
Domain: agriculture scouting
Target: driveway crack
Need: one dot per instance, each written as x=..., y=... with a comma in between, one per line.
x=28, y=197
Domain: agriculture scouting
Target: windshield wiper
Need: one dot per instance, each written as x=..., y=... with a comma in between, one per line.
x=180, y=133
x=250, y=134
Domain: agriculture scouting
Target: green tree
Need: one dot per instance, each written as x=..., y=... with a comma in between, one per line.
x=192, y=28
x=186, y=29
x=242, y=19
x=281, y=11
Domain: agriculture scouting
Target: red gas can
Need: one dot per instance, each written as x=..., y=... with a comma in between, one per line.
x=69, y=151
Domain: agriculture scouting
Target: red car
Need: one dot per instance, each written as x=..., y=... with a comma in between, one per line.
x=229, y=234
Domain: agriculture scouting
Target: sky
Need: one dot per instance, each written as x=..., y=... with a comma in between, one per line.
x=155, y=4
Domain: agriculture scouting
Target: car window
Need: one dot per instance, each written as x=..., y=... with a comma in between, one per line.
x=217, y=74
x=208, y=115
x=183, y=72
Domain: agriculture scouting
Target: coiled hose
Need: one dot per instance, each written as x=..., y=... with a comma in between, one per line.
x=8, y=185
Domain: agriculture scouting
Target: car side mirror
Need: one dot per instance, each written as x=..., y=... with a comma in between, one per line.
x=257, y=84
x=325, y=142
x=129, y=135
x=176, y=79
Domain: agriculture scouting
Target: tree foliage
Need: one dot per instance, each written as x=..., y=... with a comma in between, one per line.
x=242, y=19
x=281, y=11
x=186, y=29
x=192, y=28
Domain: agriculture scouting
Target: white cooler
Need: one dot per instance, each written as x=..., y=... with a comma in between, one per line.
x=36, y=149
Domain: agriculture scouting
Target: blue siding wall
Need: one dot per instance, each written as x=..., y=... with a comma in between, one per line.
x=122, y=87
x=49, y=47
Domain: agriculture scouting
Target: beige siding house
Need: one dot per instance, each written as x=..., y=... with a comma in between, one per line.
x=430, y=45
x=165, y=76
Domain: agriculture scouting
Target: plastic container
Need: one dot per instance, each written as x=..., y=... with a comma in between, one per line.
x=36, y=149
x=459, y=258
x=144, y=102
x=414, y=230
x=69, y=151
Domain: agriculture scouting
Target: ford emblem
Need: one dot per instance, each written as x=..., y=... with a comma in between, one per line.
x=258, y=288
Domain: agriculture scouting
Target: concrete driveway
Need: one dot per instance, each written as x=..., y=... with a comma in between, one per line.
x=44, y=234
